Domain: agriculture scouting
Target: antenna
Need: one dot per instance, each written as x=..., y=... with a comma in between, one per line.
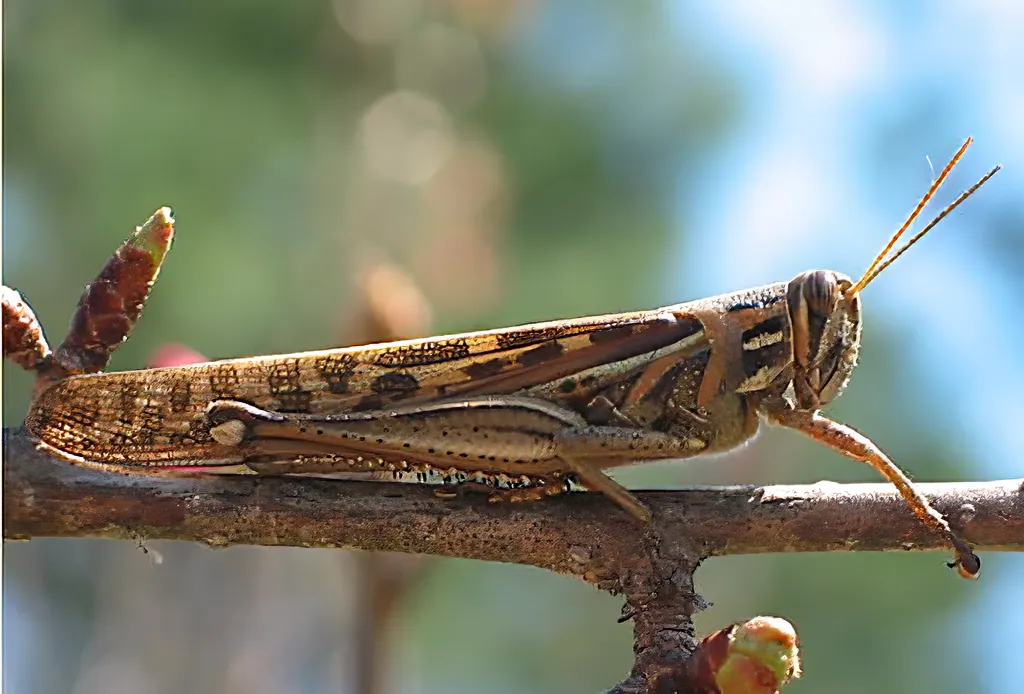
x=877, y=265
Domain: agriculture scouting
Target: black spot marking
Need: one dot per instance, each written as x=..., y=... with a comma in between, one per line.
x=283, y=376
x=394, y=383
x=527, y=336
x=567, y=386
x=421, y=353
x=539, y=355
x=285, y=383
x=336, y=370
x=485, y=369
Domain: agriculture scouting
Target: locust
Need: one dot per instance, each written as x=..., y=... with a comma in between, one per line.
x=528, y=412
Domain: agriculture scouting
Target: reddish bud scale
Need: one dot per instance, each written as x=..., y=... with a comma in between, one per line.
x=758, y=656
x=24, y=342
x=112, y=304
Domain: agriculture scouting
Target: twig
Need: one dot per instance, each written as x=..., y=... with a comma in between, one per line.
x=582, y=536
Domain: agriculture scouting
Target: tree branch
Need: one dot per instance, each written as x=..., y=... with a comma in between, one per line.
x=47, y=497
x=582, y=536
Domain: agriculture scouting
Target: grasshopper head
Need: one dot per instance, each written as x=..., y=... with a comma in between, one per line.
x=825, y=321
x=824, y=308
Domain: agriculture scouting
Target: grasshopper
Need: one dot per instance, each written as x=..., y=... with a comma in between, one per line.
x=528, y=411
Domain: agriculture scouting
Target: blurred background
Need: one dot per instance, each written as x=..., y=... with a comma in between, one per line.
x=345, y=169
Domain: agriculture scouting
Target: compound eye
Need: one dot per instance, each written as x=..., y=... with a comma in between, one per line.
x=821, y=292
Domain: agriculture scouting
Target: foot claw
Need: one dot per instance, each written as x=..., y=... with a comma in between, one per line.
x=968, y=565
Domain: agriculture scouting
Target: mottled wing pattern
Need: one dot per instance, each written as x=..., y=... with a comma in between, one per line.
x=156, y=416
